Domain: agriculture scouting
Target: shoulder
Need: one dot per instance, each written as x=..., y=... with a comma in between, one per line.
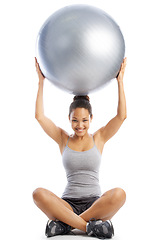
x=99, y=140
x=64, y=139
x=98, y=134
x=64, y=135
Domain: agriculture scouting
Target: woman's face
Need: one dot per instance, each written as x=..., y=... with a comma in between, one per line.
x=80, y=121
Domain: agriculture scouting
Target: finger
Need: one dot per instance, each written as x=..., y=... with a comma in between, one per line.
x=36, y=63
x=123, y=64
x=35, y=59
x=125, y=61
x=37, y=66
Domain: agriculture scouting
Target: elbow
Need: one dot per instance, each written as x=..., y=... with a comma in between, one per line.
x=125, y=117
x=38, y=117
x=122, y=117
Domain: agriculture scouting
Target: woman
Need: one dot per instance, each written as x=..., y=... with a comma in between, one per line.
x=82, y=206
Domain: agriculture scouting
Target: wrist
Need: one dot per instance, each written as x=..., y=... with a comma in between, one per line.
x=41, y=82
x=120, y=82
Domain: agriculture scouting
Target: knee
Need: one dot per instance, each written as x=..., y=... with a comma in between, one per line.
x=119, y=196
x=38, y=194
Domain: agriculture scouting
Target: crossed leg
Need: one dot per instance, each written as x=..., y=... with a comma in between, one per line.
x=106, y=206
x=56, y=208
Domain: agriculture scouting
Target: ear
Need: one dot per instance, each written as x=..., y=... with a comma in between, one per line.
x=69, y=117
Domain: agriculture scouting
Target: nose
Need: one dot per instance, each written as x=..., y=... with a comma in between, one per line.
x=80, y=124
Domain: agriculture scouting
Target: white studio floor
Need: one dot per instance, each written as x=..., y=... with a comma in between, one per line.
x=78, y=236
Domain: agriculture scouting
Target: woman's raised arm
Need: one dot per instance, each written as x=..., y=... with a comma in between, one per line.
x=114, y=124
x=48, y=126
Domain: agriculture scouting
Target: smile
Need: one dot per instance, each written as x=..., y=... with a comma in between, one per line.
x=80, y=130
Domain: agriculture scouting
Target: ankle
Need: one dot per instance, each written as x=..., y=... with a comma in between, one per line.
x=87, y=226
x=84, y=228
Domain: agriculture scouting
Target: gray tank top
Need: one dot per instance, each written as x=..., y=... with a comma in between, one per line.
x=82, y=171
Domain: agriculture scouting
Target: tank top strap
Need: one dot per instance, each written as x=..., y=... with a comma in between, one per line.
x=93, y=139
x=67, y=141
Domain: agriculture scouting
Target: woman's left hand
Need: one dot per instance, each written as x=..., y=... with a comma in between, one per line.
x=122, y=70
x=40, y=74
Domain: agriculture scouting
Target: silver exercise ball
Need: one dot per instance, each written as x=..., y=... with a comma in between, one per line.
x=80, y=48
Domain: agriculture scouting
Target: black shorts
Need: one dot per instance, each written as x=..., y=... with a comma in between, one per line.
x=79, y=205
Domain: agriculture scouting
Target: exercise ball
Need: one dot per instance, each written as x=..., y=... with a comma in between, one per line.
x=80, y=48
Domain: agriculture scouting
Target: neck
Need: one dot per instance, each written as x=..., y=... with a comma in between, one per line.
x=80, y=138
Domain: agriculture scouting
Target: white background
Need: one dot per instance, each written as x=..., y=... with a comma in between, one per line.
x=30, y=159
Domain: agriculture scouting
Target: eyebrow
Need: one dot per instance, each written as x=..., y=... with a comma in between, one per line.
x=82, y=118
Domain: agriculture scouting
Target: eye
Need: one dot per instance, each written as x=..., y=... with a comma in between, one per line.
x=74, y=120
x=85, y=120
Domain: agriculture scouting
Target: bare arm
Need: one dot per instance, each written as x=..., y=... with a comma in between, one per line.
x=48, y=126
x=114, y=124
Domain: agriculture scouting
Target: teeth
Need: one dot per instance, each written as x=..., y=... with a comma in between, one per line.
x=80, y=130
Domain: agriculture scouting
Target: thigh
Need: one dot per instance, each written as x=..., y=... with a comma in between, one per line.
x=114, y=197
x=106, y=206
x=41, y=193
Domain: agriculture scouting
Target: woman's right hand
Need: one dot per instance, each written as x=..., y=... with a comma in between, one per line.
x=40, y=74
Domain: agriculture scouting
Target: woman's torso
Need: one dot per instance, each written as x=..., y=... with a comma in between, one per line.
x=82, y=169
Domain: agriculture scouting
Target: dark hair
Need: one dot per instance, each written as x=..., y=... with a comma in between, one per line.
x=81, y=102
